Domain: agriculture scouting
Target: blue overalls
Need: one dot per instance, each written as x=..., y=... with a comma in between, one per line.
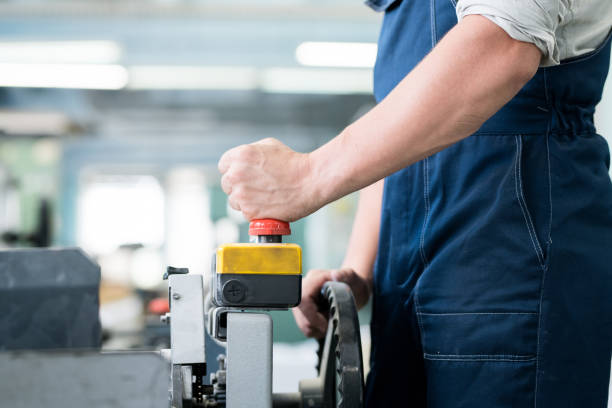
x=493, y=282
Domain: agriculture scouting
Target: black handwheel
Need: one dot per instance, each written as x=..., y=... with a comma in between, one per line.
x=340, y=367
x=340, y=360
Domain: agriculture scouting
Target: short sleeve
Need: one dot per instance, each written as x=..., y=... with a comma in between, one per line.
x=532, y=21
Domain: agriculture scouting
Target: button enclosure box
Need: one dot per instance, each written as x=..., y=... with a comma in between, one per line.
x=257, y=275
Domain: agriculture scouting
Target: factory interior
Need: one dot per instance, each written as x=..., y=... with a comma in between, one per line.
x=113, y=117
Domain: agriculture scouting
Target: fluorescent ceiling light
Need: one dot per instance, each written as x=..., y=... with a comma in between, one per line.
x=309, y=80
x=192, y=77
x=276, y=79
x=81, y=76
x=336, y=54
x=60, y=52
x=152, y=77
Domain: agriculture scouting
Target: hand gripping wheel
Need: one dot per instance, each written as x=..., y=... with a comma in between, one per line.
x=340, y=381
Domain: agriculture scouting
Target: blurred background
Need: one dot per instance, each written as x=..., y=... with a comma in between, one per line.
x=113, y=115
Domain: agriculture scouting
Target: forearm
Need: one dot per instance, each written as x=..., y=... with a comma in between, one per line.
x=470, y=75
x=363, y=244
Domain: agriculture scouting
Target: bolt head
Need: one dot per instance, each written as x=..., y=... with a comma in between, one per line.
x=176, y=296
x=234, y=291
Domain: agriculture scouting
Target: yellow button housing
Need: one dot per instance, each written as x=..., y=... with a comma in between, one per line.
x=259, y=259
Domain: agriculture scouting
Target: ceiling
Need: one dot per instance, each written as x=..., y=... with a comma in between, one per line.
x=198, y=67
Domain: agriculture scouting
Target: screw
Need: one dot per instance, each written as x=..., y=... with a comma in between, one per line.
x=234, y=291
x=176, y=296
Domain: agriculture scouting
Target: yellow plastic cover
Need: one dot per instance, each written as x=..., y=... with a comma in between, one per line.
x=271, y=259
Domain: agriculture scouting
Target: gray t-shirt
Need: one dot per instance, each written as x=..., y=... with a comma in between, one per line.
x=561, y=29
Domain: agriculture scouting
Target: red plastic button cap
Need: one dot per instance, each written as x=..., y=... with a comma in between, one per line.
x=269, y=226
x=159, y=306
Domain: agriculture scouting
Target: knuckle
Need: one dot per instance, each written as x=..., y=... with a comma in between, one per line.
x=246, y=153
x=239, y=150
x=239, y=194
x=223, y=163
x=246, y=207
x=240, y=172
x=226, y=180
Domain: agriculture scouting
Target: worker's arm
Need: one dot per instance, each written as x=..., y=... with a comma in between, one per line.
x=474, y=70
x=363, y=244
x=357, y=268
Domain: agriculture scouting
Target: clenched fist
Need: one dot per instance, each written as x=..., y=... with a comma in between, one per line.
x=267, y=179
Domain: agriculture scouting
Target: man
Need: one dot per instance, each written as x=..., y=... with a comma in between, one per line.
x=492, y=230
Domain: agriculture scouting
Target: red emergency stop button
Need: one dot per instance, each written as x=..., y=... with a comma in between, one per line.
x=159, y=306
x=269, y=226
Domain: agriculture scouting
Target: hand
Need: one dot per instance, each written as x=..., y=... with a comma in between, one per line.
x=267, y=179
x=307, y=316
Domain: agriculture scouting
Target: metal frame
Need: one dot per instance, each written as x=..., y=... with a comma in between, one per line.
x=187, y=334
x=249, y=360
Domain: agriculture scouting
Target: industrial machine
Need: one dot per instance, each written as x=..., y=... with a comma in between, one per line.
x=247, y=281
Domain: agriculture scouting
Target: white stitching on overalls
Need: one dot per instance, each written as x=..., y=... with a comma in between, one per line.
x=548, y=251
x=475, y=313
x=548, y=128
x=522, y=196
x=417, y=307
x=426, y=160
x=521, y=199
x=480, y=357
x=432, y=16
x=426, y=211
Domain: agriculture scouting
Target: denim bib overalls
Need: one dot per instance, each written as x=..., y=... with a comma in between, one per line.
x=493, y=281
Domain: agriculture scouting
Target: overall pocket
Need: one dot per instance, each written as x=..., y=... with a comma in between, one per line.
x=533, y=191
x=480, y=359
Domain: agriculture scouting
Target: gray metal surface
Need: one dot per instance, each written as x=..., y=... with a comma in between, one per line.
x=187, y=334
x=49, y=299
x=83, y=380
x=177, y=387
x=249, y=360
